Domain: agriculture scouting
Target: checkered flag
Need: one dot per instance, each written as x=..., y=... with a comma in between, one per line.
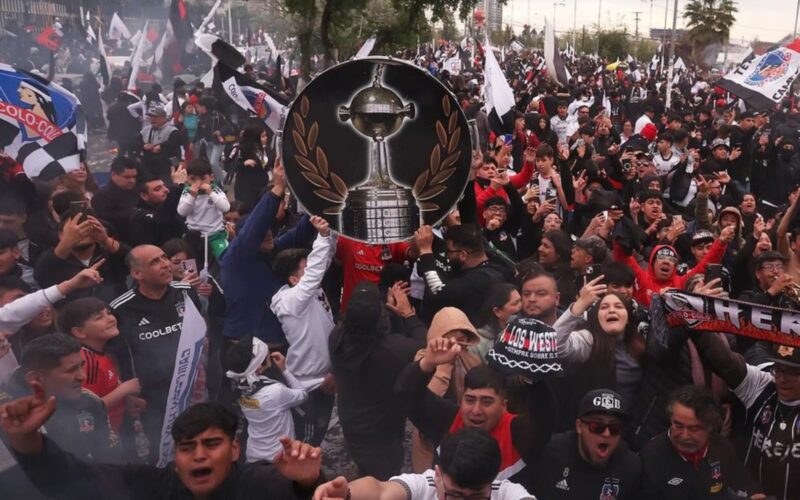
x=41, y=124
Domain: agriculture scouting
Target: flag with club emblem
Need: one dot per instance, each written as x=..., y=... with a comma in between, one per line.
x=41, y=124
x=250, y=96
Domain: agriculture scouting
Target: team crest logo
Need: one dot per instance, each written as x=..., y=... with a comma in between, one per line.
x=40, y=113
x=766, y=415
x=610, y=489
x=180, y=308
x=85, y=422
x=772, y=66
x=785, y=351
x=716, y=471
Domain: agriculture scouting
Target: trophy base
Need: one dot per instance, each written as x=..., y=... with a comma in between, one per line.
x=379, y=215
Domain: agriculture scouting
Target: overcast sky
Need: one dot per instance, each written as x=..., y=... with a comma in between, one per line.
x=768, y=20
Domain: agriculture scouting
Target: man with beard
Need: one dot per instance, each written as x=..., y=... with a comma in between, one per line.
x=691, y=460
x=473, y=273
x=590, y=461
x=771, y=280
x=247, y=276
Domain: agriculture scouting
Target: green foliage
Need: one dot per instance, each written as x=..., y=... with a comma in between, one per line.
x=709, y=21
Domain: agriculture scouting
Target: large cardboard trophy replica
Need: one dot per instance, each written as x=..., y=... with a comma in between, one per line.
x=376, y=146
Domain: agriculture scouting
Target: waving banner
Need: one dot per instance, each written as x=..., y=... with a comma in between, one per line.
x=699, y=312
x=765, y=80
x=251, y=96
x=41, y=126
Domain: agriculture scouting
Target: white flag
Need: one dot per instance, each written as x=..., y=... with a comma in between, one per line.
x=499, y=95
x=136, y=59
x=166, y=39
x=117, y=28
x=365, y=49
x=187, y=362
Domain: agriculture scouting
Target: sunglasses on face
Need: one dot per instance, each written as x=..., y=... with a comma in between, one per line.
x=595, y=427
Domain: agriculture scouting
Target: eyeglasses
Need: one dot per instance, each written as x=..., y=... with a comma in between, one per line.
x=772, y=267
x=459, y=496
x=595, y=427
x=787, y=373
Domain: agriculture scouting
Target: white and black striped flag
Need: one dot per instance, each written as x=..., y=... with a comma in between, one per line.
x=41, y=124
x=765, y=80
x=555, y=65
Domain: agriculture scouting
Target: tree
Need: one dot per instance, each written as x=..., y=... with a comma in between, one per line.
x=709, y=22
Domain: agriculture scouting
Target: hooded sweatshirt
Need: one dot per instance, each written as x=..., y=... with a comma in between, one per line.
x=646, y=282
x=448, y=379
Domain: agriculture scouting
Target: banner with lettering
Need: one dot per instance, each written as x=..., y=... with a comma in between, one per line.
x=699, y=312
x=187, y=364
x=765, y=80
x=41, y=124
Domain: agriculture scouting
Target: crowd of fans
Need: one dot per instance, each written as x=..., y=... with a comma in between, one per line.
x=577, y=220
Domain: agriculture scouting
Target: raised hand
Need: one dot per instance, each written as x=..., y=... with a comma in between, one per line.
x=178, y=174
x=423, y=238
x=397, y=300
x=298, y=461
x=278, y=179
x=712, y=288
x=440, y=351
x=321, y=225
x=727, y=234
x=22, y=418
x=87, y=278
x=279, y=360
x=589, y=294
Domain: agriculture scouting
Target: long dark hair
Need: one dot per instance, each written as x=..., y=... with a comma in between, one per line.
x=251, y=137
x=498, y=296
x=603, y=347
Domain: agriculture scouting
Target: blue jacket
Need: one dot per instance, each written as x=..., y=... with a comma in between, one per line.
x=247, y=277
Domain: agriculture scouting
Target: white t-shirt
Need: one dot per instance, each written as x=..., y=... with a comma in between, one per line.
x=640, y=123
x=423, y=487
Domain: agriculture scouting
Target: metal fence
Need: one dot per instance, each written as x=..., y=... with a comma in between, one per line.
x=32, y=12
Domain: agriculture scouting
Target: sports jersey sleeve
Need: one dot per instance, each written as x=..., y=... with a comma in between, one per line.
x=287, y=397
x=506, y=490
x=417, y=486
x=752, y=386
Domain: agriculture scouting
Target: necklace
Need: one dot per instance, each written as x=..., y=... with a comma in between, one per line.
x=783, y=418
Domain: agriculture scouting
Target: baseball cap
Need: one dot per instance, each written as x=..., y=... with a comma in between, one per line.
x=603, y=401
x=156, y=110
x=786, y=355
x=702, y=236
x=716, y=143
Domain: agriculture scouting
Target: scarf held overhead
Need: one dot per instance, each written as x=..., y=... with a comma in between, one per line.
x=698, y=312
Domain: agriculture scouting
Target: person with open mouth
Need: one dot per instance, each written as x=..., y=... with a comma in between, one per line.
x=591, y=460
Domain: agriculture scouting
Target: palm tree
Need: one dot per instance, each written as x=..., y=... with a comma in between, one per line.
x=709, y=21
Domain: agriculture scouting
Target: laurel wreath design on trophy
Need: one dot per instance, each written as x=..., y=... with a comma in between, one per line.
x=314, y=162
x=445, y=154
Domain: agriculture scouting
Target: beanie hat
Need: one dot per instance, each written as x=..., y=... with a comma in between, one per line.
x=526, y=347
x=649, y=132
x=667, y=252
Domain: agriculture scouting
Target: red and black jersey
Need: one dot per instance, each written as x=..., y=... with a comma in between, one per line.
x=102, y=377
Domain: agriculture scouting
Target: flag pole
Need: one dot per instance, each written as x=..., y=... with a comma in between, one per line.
x=672, y=55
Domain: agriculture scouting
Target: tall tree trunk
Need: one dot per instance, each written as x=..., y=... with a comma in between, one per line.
x=325, y=33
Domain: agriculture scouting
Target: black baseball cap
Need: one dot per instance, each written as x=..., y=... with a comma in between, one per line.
x=786, y=355
x=603, y=401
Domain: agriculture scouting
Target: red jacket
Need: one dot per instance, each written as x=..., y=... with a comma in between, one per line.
x=518, y=181
x=646, y=282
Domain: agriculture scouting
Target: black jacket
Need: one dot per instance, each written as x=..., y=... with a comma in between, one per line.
x=156, y=224
x=465, y=289
x=116, y=206
x=562, y=473
x=366, y=371
x=667, y=475
x=62, y=476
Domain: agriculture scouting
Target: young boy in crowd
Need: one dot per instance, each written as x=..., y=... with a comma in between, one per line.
x=91, y=323
x=265, y=402
x=204, y=203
